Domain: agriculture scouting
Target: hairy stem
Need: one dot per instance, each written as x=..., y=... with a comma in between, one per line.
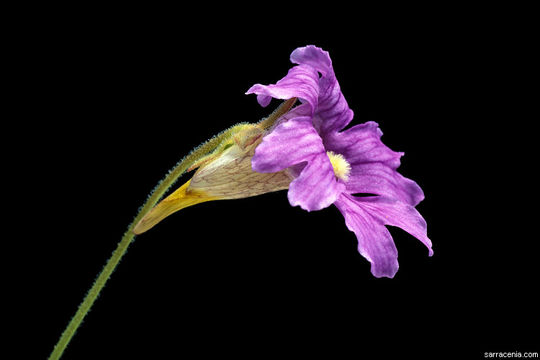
x=128, y=237
x=156, y=195
x=279, y=112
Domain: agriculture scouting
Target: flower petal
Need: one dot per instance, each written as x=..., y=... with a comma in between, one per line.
x=374, y=241
x=362, y=144
x=333, y=113
x=323, y=94
x=314, y=57
x=316, y=187
x=294, y=142
x=396, y=213
x=301, y=81
x=367, y=216
x=377, y=178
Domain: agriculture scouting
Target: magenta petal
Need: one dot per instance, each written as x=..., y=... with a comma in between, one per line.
x=294, y=142
x=323, y=94
x=377, y=178
x=314, y=57
x=301, y=81
x=362, y=144
x=316, y=187
x=396, y=213
x=374, y=241
x=291, y=142
x=333, y=113
x=366, y=217
x=263, y=100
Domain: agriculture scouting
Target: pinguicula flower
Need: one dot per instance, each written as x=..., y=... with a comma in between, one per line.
x=303, y=149
x=332, y=167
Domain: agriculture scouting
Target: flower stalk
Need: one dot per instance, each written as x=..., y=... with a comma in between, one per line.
x=123, y=245
x=203, y=151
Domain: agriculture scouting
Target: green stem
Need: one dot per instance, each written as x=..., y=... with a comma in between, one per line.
x=283, y=108
x=128, y=237
x=152, y=200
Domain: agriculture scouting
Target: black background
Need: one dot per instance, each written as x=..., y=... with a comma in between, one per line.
x=116, y=101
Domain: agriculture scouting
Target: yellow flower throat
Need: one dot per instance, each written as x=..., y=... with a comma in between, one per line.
x=341, y=167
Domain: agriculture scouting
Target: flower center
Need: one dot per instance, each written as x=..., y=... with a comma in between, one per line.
x=341, y=167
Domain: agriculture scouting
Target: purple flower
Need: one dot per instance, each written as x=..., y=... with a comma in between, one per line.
x=330, y=166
